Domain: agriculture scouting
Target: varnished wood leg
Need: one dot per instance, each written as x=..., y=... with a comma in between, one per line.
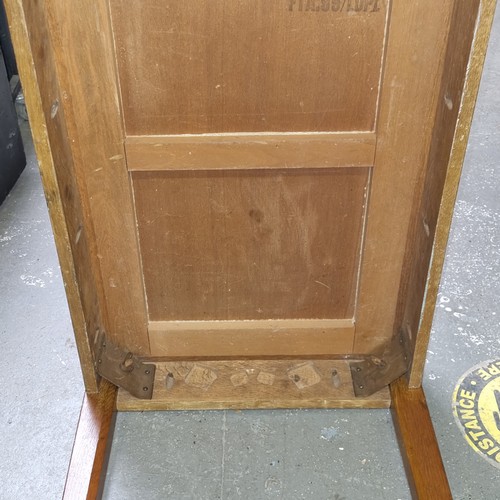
x=418, y=444
x=93, y=436
x=417, y=440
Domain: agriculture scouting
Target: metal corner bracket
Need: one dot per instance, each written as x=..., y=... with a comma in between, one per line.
x=124, y=369
x=377, y=371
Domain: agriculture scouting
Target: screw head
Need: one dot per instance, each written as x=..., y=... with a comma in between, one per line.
x=145, y=389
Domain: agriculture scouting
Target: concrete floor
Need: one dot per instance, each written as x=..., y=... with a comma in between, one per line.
x=324, y=454
x=40, y=380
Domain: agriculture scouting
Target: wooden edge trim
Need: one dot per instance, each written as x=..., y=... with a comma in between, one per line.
x=246, y=151
x=471, y=89
x=250, y=339
x=417, y=441
x=275, y=325
x=29, y=75
x=89, y=457
x=379, y=402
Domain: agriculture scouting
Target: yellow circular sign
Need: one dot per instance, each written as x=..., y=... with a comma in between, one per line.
x=476, y=406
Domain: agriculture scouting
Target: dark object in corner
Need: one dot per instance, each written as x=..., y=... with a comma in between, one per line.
x=12, y=157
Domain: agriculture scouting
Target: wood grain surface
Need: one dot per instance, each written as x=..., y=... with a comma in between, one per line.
x=252, y=385
x=416, y=48
x=85, y=66
x=247, y=339
x=73, y=230
x=418, y=444
x=250, y=245
x=246, y=66
x=249, y=151
x=88, y=463
x=453, y=172
x=429, y=189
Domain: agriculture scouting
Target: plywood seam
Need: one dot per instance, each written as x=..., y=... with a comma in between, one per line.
x=382, y=64
x=362, y=246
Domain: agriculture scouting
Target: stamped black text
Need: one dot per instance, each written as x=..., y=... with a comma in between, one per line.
x=368, y=6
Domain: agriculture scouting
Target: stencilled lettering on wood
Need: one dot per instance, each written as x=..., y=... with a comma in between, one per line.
x=339, y=6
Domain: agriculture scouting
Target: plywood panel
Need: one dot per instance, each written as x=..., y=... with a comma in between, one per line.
x=251, y=339
x=245, y=151
x=250, y=244
x=253, y=384
x=248, y=65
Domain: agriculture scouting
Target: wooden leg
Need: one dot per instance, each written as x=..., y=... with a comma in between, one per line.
x=92, y=440
x=418, y=444
x=417, y=440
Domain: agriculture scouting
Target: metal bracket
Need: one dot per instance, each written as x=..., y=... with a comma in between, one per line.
x=124, y=369
x=377, y=371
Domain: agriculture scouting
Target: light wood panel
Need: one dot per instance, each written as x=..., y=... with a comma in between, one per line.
x=250, y=244
x=247, y=65
x=85, y=65
x=246, y=339
x=416, y=49
x=248, y=151
x=252, y=384
x=457, y=155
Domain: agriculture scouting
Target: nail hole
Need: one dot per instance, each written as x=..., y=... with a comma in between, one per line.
x=170, y=381
x=426, y=228
x=78, y=234
x=448, y=102
x=54, y=109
